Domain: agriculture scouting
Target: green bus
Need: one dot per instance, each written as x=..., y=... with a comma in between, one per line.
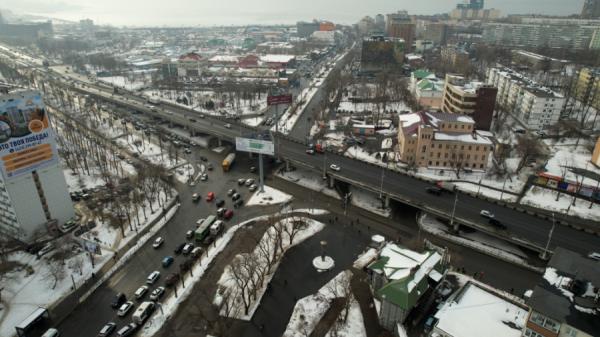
x=204, y=228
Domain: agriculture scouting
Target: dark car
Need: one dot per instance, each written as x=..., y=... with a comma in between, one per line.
x=238, y=203
x=220, y=203
x=434, y=190
x=179, y=248
x=208, y=240
x=235, y=196
x=119, y=299
x=496, y=223
x=107, y=329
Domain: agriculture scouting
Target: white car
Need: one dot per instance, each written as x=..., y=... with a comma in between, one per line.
x=335, y=167
x=158, y=242
x=124, y=309
x=228, y=126
x=594, y=256
x=486, y=214
x=140, y=292
x=153, y=277
x=157, y=293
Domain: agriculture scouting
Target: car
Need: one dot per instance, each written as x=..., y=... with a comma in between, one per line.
x=187, y=249
x=210, y=196
x=197, y=252
x=119, y=299
x=52, y=332
x=167, y=261
x=253, y=188
x=486, y=214
x=107, y=329
x=249, y=182
x=140, y=292
x=241, y=181
x=195, y=197
x=335, y=167
x=235, y=196
x=203, y=158
x=157, y=293
x=228, y=214
x=127, y=330
x=179, y=248
x=204, y=177
x=220, y=203
x=187, y=151
x=594, y=256
x=158, y=242
x=208, y=240
x=189, y=234
x=497, y=223
x=46, y=249
x=210, y=166
x=125, y=308
x=252, y=169
x=238, y=203
x=228, y=126
x=221, y=211
x=434, y=190
x=68, y=226
x=310, y=151
x=230, y=192
x=153, y=277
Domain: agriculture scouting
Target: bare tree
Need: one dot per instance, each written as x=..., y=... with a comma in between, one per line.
x=528, y=149
x=293, y=227
x=55, y=272
x=457, y=160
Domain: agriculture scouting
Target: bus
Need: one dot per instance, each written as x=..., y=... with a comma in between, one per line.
x=203, y=230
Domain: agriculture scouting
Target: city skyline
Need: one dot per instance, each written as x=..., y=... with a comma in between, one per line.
x=236, y=12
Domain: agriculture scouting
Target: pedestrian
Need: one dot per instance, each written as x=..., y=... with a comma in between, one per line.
x=285, y=282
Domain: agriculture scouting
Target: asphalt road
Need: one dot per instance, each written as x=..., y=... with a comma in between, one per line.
x=89, y=317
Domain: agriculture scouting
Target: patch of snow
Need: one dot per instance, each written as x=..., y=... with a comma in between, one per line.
x=310, y=180
x=544, y=198
x=365, y=258
x=354, y=325
x=270, y=196
x=323, y=263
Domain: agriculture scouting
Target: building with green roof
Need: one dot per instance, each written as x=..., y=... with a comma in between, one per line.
x=400, y=277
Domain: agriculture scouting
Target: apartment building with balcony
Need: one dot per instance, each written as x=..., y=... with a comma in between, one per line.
x=474, y=99
x=533, y=105
x=442, y=141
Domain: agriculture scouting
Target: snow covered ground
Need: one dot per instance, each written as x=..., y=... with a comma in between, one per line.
x=124, y=82
x=260, y=257
x=354, y=325
x=477, y=241
x=369, y=201
x=270, y=196
x=309, y=310
x=310, y=180
x=370, y=107
x=22, y=293
x=365, y=258
x=545, y=198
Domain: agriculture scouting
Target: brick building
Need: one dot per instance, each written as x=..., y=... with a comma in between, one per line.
x=442, y=140
x=475, y=99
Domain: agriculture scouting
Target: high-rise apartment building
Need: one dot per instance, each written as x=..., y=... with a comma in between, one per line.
x=34, y=199
x=587, y=88
x=400, y=26
x=474, y=99
x=536, y=106
x=305, y=29
x=552, y=33
x=471, y=4
x=591, y=9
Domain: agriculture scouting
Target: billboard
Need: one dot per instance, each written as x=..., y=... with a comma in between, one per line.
x=279, y=99
x=254, y=145
x=27, y=141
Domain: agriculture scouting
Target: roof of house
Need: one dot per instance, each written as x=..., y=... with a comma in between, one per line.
x=421, y=73
x=475, y=312
x=190, y=57
x=406, y=273
x=276, y=58
x=566, y=291
x=429, y=84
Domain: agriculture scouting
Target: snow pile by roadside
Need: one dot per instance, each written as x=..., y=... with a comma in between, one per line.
x=365, y=258
x=270, y=196
x=545, y=198
x=310, y=180
x=245, y=280
x=309, y=310
x=354, y=325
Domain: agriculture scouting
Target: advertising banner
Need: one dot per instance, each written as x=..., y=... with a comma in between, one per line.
x=254, y=145
x=280, y=99
x=27, y=142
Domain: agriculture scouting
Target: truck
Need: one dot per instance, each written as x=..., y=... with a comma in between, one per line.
x=228, y=161
x=445, y=185
x=153, y=100
x=204, y=228
x=142, y=313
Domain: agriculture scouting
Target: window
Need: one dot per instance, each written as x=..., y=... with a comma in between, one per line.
x=424, y=148
x=470, y=147
x=430, y=163
x=531, y=333
x=437, y=163
x=462, y=147
x=439, y=146
x=468, y=156
x=445, y=155
x=477, y=148
x=439, y=154
x=481, y=166
x=571, y=332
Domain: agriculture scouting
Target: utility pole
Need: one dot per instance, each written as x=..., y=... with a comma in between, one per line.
x=544, y=255
x=381, y=185
x=324, y=164
x=453, y=212
x=261, y=174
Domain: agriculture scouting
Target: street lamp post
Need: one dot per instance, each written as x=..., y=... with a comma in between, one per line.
x=381, y=185
x=544, y=255
x=453, y=212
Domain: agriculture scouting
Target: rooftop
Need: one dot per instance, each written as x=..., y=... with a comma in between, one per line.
x=567, y=290
x=476, y=312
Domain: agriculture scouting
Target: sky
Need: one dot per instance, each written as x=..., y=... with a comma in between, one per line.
x=236, y=12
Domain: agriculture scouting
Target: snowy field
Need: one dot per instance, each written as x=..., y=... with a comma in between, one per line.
x=545, y=198
x=126, y=83
x=310, y=180
x=270, y=196
x=244, y=282
x=346, y=105
x=369, y=201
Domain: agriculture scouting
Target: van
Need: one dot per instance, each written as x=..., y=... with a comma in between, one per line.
x=51, y=333
x=143, y=312
x=216, y=228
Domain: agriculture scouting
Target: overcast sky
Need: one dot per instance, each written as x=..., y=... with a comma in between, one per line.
x=224, y=12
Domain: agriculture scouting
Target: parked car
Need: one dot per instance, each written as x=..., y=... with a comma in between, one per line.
x=253, y=188
x=238, y=203
x=167, y=261
x=197, y=252
x=221, y=211
x=310, y=151
x=241, y=181
x=157, y=293
x=140, y=292
x=235, y=196
x=153, y=277
x=496, y=223
x=187, y=249
x=179, y=248
x=127, y=330
x=486, y=214
x=228, y=214
x=230, y=192
x=46, y=249
x=195, y=197
x=189, y=234
x=125, y=308
x=119, y=299
x=249, y=182
x=335, y=167
x=594, y=256
x=210, y=166
x=434, y=190
x=228, y=126
x=220, y=203
x=158, y=242
x=107, y=329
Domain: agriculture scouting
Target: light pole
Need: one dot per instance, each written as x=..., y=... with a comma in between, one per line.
x=381, y=185
x=544, y=255
x=503, y=186
x=453, y=212
x=324, y=165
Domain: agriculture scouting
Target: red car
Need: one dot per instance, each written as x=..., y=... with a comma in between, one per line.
x=210, y=196
x=228, y=214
